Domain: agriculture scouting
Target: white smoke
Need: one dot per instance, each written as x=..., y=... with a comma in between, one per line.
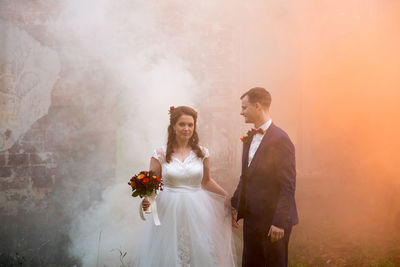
x=139, y=46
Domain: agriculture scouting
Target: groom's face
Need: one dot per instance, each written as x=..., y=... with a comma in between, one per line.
x=249, y=110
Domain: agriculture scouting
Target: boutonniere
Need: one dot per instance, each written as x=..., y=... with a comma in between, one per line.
x=245, y=138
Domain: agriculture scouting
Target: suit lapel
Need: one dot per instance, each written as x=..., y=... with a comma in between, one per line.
x=263, y=145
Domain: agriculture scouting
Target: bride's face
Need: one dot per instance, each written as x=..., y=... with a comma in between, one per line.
x=184, y=127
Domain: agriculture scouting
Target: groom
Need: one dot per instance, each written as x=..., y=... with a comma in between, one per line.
x=264, y=196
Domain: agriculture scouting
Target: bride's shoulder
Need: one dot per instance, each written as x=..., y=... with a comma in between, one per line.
x=159, y=153
x=205, y=151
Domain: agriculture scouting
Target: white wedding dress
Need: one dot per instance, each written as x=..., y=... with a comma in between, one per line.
x=194, y=230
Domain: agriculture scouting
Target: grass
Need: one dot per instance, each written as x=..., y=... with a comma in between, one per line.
x=331, y=232
x=33, y=241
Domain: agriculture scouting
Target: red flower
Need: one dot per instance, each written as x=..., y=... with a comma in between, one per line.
x=146, y=180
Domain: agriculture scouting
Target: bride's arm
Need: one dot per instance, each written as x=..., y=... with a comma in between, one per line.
x=155, y=167
x=210, y=184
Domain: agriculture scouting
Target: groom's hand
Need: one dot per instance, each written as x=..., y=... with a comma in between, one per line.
x=276, y=233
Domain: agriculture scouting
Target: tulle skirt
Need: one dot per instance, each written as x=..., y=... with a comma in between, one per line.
x=195, y=231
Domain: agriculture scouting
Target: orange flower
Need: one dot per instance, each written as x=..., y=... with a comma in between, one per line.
x=132, y=184
x=154, y=177
x=141, y=176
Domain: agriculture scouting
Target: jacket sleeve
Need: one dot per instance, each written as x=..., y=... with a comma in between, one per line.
x=286, y=176
x=235, y=198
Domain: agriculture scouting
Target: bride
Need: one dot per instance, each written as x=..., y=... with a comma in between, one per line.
x=195, y=229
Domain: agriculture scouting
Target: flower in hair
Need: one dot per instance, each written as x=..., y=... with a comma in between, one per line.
x=171, y=108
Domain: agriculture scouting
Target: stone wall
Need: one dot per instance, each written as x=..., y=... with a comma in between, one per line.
x=48, y=135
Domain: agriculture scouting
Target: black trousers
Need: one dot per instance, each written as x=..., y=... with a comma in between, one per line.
x=258, y=250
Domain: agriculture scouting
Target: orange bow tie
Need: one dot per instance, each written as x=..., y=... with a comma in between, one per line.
x=257, y=131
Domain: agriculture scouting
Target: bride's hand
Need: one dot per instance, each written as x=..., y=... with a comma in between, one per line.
x=235, y=224
x=227, y=205
x=145, y=203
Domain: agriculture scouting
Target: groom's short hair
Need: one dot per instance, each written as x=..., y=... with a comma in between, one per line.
x=258, y=94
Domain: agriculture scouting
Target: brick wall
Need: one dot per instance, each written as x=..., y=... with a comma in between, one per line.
x=27, y=170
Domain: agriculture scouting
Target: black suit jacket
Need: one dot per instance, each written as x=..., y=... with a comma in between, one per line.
x=265, y=193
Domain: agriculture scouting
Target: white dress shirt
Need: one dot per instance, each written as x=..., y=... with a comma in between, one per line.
x=255, y=143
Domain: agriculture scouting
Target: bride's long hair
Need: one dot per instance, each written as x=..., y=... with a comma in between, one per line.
x=174, y=116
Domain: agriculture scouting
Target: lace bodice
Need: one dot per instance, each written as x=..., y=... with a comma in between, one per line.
x=177, y=174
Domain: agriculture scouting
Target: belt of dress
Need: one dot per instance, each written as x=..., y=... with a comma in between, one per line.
x=182, y=189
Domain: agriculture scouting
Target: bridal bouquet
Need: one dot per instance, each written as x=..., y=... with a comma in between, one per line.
x=146, y=184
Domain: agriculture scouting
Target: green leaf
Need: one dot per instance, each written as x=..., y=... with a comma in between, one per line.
x=135, y=194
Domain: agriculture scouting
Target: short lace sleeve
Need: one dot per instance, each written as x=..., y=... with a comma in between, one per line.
x=159, y=154
x=205, y=152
